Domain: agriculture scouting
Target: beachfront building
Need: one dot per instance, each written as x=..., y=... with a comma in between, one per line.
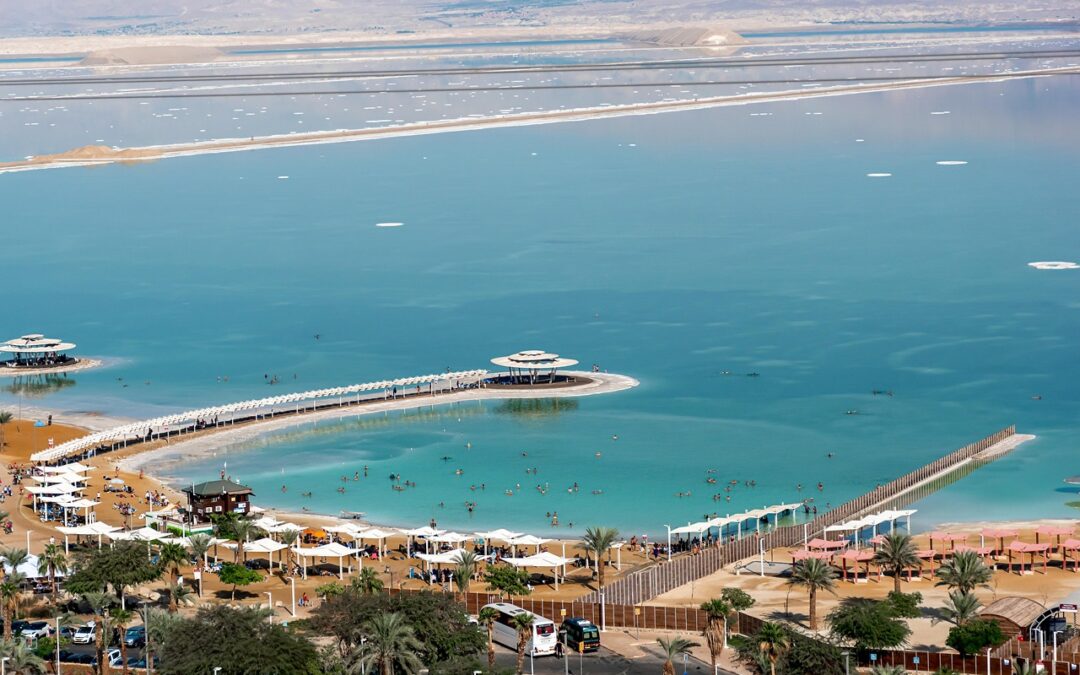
x=35, y=351
x=532, y=367
x=217, y=497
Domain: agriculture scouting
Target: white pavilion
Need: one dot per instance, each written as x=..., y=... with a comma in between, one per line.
x=533, y=366
x=37, y=351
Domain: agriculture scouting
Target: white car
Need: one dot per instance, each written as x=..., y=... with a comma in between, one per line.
x=85, y=634
x=37, y=629
x=115, y=660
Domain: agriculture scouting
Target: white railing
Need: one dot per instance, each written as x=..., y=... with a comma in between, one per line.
x=165, y=424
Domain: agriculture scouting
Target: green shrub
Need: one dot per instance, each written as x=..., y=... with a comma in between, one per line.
x=975, y=636
x=905, y=605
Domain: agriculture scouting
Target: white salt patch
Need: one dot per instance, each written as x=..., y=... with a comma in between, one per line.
x=1054, y=265
x=860, y=140
x=951, y=162
x=941, y=112
x=879, y=175
x=282, y=177
x=389, y=224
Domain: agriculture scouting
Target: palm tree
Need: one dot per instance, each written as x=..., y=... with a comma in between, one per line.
x=5, y=417
x=672, y=648
x=170, y=557
x=815, y=575
x=522, y=623
x=367, y=582
x=20, y=660
x=14, y=557
x=715, y=632
x=9, y=599
x=896, y=554
x=965, y=572
x=243, y=530
x=99, y=605
x=1023, y=667
x=289, y=537
x=183, y=595
x=486, y=618
x=465, y=570
x=773, y=642
x=598, y=540
x=120, y=619
x=199, y=545
x=389, y=644
x=51, y=562
x=959, y=608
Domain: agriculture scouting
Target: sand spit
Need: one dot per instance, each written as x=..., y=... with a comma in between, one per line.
x=151, y=55
x=156, y=459
x=688, y=37
x=92, y=155
x=81, y=364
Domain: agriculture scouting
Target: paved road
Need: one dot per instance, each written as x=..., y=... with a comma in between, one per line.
x=603, y=662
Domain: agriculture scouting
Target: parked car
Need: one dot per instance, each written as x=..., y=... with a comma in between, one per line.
x=135, y=636
x=85, y=634
x=112, y=657
x=67, y=632
x=36, y=629
x=17, y=626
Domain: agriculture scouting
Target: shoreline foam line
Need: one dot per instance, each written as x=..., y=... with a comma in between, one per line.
x=156, y=152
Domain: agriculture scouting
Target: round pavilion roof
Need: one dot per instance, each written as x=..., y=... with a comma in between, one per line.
x=533, y=359
x=35, y=343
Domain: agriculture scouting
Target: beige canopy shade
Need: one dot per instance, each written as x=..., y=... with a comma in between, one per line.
x=141, y=534
x=74, y=467
x=331, y=550
x=544, y=559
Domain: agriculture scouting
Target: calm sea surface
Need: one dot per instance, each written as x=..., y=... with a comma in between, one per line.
x=684, y=249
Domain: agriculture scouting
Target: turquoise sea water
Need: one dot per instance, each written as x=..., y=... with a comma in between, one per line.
x=671, y=247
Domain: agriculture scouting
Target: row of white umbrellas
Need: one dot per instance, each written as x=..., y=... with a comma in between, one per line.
x=139, y=428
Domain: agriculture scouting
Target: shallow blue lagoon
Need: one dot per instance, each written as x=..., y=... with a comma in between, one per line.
x=686, y=250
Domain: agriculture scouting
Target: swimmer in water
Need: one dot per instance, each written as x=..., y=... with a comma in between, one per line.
x=615, y=437
x=284, y=489
x=599, y=455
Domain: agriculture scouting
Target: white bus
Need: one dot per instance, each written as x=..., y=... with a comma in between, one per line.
x=544, y=632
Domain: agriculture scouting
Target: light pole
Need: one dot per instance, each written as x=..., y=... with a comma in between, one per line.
x=387, y=570
x=3, y=664
x=847, y=667
x=1054, y=669
x=292, y=584
x=761, y=557
x=270, y=605
x=668, y=542
x=217, y=669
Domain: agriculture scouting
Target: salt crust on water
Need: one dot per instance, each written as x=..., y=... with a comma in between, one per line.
x=389, y=224
x=878, y=175
x=1054, y=265
x=951, y=162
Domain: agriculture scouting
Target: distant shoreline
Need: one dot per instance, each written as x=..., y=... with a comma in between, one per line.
x=100, y=155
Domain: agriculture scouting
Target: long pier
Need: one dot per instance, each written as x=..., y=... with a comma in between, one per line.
x=649, y=582
x=255, y=409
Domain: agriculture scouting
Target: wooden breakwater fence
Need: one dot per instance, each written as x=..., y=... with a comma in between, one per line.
x=647, y=583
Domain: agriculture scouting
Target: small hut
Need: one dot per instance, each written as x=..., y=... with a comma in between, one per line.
x=1014, y=615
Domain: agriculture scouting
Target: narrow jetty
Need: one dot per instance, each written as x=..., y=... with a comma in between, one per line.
x=654, y=580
